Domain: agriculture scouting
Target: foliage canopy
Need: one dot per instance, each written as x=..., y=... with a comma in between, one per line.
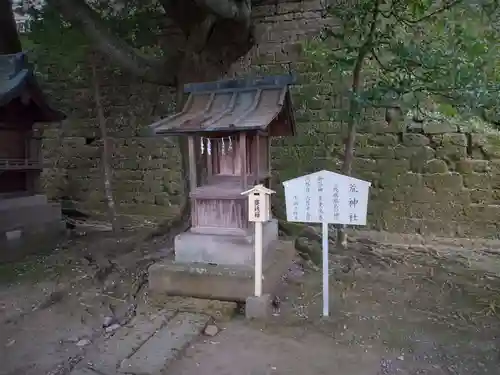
x=408, y=53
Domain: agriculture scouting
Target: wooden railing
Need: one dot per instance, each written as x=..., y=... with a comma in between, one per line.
x=19, y=164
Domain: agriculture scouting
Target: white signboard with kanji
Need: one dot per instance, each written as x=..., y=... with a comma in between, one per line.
x=328, y=197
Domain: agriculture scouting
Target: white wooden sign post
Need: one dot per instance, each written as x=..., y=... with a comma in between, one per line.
x=259, y=211
x=328, y=198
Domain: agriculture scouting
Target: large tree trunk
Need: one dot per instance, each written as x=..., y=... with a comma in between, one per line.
x=217, y=33
x=9, y=39
x=206, y=57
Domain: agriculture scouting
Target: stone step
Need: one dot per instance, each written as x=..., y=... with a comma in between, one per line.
x=161, y=349
x=107, y=356
x=145, y=347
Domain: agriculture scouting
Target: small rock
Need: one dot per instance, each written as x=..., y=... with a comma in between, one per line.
x=112, y=328
x=10, y=343
x=211, y=330
x=83, y=342
x=401, y=357
x=108, y=321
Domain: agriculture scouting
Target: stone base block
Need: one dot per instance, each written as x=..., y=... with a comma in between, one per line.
x=258, y=307
x=222, y=249
x=220, y=311
x=222, y=282
x=41, y=239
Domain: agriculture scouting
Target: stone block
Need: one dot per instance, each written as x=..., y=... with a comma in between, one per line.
x=400, y=181
x=451, y=151
x=106, y=357
x=434, y=210
x=476, y=180
x=32, y=239
x=220, y=311
x=375, y=152
x=458, y=197
x=193, y=247
x=441, y=228
x=391, y=167
x=444, y=181
x=154, y=356
x=476, y=228
x=477, y=139
x=227, y=283
x=258, y=307
x=491, y=146
x=435, y=166
x=482, y=196
x=420, y=152
x=467, y=166
x=483, y=212
x=410, y=139
x=18, y=217
x=391, y=223
x=377, y=139
x=439, y=126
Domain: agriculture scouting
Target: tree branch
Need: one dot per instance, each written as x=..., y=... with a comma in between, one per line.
x=156, y=70
x=444, y=8
x=235, y=10
x=425, y=17
x=379, y=62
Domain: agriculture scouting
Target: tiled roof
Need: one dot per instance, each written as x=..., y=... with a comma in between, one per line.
x=16, y=78
x=231, y=106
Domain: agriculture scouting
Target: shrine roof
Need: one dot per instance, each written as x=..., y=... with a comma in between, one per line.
x=17, y=81
x=234, y=106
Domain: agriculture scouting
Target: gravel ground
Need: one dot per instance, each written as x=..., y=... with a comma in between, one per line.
x=427, y=312
x=427, y=309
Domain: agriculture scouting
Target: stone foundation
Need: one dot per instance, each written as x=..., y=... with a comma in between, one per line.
x=222, y=282
x=28, y=225
x=222, y=249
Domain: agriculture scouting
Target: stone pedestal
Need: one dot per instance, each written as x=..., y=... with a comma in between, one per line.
x=28, y=225
x=220, y=281
x=223, y=249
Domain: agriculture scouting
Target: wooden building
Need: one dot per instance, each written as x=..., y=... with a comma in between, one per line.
x=229, y=125
x=22, y=104
x=26, y=217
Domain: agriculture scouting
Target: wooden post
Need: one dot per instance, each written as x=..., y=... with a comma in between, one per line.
x=257, y=158
x=243, y=159
x=268, y=147
x=258, y=259
x=326, y=294
x=192, y=163
x=210, y=161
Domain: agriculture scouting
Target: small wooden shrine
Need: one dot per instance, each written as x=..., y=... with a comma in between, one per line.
x=229, y=125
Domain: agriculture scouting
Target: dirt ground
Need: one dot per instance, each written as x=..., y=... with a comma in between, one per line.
x=420, y=309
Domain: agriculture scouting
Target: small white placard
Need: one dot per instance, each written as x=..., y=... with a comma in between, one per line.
x=326, y=197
